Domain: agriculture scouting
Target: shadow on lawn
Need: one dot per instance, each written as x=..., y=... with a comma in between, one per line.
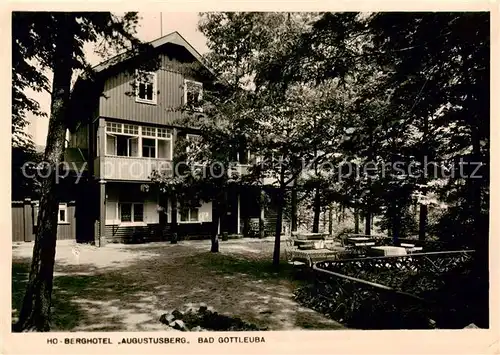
x=132, y=298
x=66, y=314
x=260, y=268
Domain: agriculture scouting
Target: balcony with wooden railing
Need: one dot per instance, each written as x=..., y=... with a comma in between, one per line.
x=130, y=168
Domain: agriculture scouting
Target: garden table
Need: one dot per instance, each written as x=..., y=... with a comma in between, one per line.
x=309, y=240
x=360, y=241
x=411, y=248
x=387, y=250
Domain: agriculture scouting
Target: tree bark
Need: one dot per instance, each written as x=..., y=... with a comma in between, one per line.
x=214, y=237
x=174, y=231
x=330, y=220
x=262, y=218
x=35, y=311
x=294, y=209
x=279, y=223
x=356, y=221
x=396, y=226
x=368, y=223
x=423, y=211
x=422, y=222
x=317, y=210
x=223, y=218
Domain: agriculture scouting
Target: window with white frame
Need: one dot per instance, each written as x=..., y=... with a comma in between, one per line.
x=131, y=129
x=138, y=141
x=157, y=142
x=114, y=127
x=193, y=94
x=146, y=87
x=122, y=139
x=62, y=213
x=149, y=131
x=148, y=148
x=164, y=133
x=131, y=212
x=189, y=214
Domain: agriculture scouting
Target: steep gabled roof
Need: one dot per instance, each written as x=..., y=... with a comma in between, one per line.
x=171, y=38
x=81, y=97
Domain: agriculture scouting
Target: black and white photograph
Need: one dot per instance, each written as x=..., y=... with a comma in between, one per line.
x=246, y=172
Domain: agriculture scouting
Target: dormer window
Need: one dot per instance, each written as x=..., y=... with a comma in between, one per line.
x=193, y=94
x=145, y=87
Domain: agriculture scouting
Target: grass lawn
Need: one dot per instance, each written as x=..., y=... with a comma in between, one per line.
x=128, y=287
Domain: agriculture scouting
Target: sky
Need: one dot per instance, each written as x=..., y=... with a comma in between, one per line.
x=149, y=29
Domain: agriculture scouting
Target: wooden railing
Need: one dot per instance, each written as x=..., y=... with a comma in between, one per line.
x=427, y=245
x=388, y=292
x=129, y=168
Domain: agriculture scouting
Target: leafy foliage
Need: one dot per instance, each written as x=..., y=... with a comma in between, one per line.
x=47, y=43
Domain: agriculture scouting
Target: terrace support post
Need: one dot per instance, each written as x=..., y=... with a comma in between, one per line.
x=101, y=147
x=102, y=214
x=173, y=195
x=101, y=152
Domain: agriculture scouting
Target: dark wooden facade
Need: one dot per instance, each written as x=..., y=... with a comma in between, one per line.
x=24, y=224
x=111, y=98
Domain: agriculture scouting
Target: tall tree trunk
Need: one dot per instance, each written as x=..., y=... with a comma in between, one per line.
x=368, y=223
x=396, y=226
x=294, y=209
x=356, y=220
x=262, y=216
x=323, y=228
x=422, y=222
x=224, y=219
x=330, y=219
x=173, y=230
x=214, y=236
x=35, y=311
x=317, y=210
x=480, y=224
x=423, y=211
x=279, y=223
